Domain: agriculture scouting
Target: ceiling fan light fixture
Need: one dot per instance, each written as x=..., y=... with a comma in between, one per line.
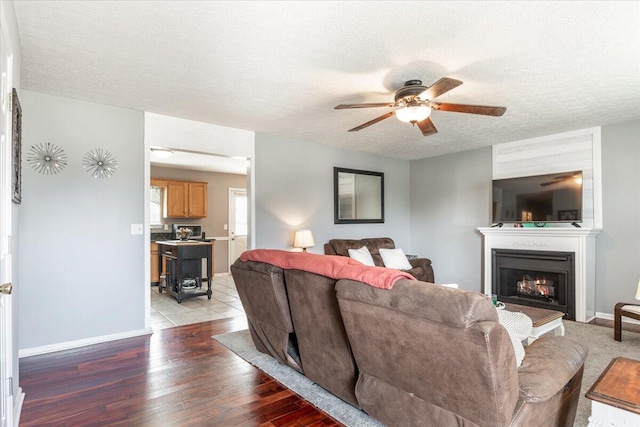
x=413, y=113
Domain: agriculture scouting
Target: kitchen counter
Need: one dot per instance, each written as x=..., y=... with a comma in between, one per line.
x=184, y=274
x=184, y=242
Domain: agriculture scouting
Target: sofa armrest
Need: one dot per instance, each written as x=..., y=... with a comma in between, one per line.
x=548, y=366
x=425, y=264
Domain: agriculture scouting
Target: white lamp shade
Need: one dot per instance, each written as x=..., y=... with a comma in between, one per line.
x=303, y=239
x=413, y=114
x=638, y=291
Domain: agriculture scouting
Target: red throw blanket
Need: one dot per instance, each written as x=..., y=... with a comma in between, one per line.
x=333, y=266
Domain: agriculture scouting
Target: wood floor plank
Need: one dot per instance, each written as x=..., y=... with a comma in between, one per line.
x=176, y=377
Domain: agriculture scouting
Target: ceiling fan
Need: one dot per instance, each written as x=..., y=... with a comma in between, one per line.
x=577, y=177
x=414, y=102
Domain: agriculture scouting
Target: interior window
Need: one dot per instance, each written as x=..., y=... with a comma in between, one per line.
x=155, y=208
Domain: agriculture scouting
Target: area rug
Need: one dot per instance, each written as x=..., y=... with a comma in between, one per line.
x=602, y=349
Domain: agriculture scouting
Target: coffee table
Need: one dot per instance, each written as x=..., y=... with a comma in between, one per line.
x=615, y=396
x=543, y=320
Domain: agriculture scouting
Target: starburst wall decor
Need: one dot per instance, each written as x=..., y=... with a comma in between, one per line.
x=100, y=163
x=47, y=158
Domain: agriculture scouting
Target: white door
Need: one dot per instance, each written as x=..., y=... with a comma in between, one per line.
x=6, y=329
x=238, y=215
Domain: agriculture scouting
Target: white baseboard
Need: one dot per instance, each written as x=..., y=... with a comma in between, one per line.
x=222, y=274
x=608, y=316
x=26, y=352
x=17, y=407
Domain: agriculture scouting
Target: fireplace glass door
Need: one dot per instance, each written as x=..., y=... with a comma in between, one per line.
x=541, y=279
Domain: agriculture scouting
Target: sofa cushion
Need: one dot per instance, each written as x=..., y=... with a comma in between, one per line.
x=539, y=380
x=362, y=255
x=342, y=246
x=395, y=258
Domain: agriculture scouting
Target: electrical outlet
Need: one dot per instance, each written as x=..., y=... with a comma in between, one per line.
x=225, y=227
x=137, y=229
x=165, y=227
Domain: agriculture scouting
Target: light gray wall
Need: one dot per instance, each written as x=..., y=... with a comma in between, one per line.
x=618, y=245
x=450, y=199
x=294, y=190
x=81, y=269
x=217, y=206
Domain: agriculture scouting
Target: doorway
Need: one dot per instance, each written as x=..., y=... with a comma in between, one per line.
x=238, y=223
x=6, y=168
x=215, y=177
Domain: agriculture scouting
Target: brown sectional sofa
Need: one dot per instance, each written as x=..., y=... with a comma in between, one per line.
x=421, y=267
x=418, y=354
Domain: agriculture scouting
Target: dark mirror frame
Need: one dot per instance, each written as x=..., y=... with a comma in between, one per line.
x=336, y=204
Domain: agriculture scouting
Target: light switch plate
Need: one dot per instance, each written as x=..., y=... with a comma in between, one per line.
x=137, y=229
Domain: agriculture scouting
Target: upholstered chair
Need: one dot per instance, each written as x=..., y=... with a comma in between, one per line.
x=626, y=310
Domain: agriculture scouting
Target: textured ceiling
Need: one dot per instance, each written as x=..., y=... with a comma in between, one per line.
x=281, y=67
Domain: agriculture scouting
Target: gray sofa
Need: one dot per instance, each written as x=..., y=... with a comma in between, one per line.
x=421, y=268
x=417, y=354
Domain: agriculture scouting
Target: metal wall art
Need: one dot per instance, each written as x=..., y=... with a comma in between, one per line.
x=16, y=135
x=47, y=158
x=100, y=163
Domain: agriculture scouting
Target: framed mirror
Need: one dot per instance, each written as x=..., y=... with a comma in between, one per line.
x=358, y=196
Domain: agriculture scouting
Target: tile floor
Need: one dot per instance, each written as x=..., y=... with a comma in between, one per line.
x=224, y=302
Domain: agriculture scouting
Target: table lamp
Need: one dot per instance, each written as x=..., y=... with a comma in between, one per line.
x=303, y=239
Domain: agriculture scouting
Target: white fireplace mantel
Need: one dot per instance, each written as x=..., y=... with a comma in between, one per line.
x=580, y=241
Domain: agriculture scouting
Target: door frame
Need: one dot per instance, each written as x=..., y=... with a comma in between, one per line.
x=7, y=328
x=197, y=137
x=229, y=197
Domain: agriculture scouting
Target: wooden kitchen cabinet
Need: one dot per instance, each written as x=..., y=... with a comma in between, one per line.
x=185, y=199
x=155, y=260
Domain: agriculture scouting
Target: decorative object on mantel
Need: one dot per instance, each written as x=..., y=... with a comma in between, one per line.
x=16, y=133
x=100, y=163
x=48, y=159
x=303, y=239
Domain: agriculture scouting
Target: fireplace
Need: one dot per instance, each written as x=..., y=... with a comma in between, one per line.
x=543, y=279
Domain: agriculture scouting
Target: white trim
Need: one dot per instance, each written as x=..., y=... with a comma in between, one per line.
x=34, y=351
x=17, y=407
x=220, y=238
x=596, y=135
x=225, y=274
x=608, y=316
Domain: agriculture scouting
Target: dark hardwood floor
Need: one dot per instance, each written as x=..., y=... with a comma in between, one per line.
x=626, y=326
x=175, y=377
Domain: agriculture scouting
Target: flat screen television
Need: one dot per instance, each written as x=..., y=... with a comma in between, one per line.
x=555, y=197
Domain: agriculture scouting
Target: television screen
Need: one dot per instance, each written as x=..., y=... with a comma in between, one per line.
x=555, y=197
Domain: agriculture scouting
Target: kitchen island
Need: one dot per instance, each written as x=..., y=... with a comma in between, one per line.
x=184, y=274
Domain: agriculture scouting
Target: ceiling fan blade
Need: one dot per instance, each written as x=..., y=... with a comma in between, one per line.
x=374, y=121
x=368, y=105
x=557, y=180
x=471, y=109
x=427, y=127
x=443, y=85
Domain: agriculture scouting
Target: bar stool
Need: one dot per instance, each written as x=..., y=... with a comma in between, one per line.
x=626, y=310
